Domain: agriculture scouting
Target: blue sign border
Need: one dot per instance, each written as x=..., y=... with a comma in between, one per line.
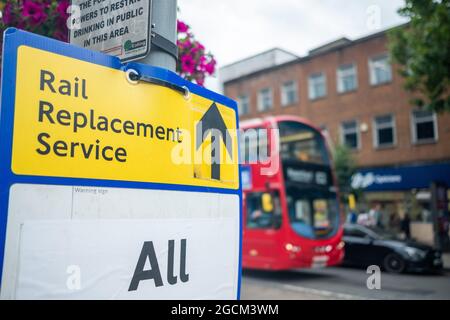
x=13, y=39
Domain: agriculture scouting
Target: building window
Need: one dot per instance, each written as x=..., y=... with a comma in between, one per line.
x=350, y=134
x=384, y=131
x=289, y=93
x=380, y=70
x=243, y=105
x=424, y=126
x=265, y=101
x=317, y=87
x=346, y=78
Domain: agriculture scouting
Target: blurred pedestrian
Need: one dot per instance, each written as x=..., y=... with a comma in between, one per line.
x=443, y=228
x=394, y=222
x=405, y=226
x=375, y=216
x=426, y=214
x=364, y=219
x=352, y=217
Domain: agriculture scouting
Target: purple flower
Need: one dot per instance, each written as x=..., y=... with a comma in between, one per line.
x=182, y=27
x=35, y=11
x=60, y=35
x=187, y=64
x=200, y=80
x=198, y=47
x=7, y=16
x=62, y=15
x=62, y=9
x=210, y=67
x=187, y=44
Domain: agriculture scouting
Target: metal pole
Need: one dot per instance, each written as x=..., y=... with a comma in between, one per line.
x=164, y=21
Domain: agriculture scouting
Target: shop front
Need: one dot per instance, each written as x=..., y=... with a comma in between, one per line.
x=421, y=191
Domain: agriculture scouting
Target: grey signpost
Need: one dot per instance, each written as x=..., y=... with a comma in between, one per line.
x=163, y=51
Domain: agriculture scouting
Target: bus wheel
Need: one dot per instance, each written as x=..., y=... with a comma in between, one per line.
x=393, y=263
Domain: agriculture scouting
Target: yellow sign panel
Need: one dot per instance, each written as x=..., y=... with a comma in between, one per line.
x=81, y=120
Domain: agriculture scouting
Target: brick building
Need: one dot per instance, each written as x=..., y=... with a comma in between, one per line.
x=350, y=89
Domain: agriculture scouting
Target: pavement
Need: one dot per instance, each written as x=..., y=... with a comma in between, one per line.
x=338, y=283
x=255, y=290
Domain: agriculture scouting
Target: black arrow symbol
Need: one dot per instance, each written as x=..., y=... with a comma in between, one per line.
x=212, y=121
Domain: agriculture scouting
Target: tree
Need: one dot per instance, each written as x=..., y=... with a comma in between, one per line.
x=345, y=168
x=422, y=50
x=48, y=18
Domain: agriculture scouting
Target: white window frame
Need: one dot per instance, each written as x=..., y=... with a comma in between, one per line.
x=371, y=69
x=414, y=129
x=310, y=86
x=292, y=84
x=340, y=75
x=358, y=134
x=261, y=99
x=376, y=127
x=240, y=99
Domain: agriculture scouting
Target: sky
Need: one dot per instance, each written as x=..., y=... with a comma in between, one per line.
x=236, y=29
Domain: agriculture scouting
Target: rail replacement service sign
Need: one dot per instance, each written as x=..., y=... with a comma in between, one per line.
x=110, y=186
x=116, y=27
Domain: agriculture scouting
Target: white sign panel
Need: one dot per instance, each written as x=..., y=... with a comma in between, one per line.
x=116, y=27
x=69, y=242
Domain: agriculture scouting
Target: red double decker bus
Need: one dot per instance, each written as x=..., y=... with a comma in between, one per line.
x=292, y=216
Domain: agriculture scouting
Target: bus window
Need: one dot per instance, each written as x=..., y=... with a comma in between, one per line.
x=300, y=142
x=321, y=218
x=300, y=216
x=263, y=210
x=312, y=214
x=302, y=211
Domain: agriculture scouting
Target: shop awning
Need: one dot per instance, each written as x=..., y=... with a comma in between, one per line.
x=401, y=177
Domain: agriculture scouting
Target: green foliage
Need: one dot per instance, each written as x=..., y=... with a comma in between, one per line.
x=345, y=167
x=422, y=49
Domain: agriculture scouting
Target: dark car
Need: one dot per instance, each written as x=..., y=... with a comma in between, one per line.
x=364, y=247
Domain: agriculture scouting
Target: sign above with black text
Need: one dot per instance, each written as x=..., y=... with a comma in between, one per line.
x=116, y=27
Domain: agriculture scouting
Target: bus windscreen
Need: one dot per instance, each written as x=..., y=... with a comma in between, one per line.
x=302, y=143
x=310, y=192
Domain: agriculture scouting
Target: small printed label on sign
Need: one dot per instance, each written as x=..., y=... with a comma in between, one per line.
x=118, y=28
